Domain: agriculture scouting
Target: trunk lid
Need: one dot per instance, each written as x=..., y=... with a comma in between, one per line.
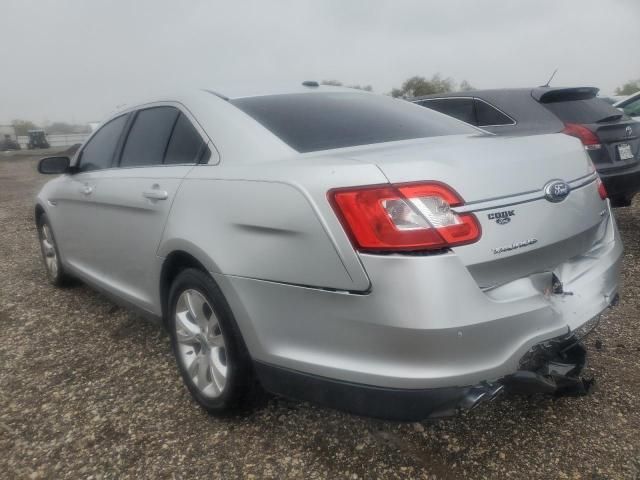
x=615, y=136
x=481, y=167
x=502, y=181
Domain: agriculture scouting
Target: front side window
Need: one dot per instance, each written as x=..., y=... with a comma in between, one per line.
x=460, y=108
x=149, y=136
x=186, y=144
x=98, y=153
x=488, y=115
x=311, y=122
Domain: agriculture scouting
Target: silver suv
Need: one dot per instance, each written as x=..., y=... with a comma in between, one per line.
x=338, y=246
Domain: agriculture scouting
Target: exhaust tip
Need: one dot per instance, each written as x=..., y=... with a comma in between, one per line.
x=480, y=394
x=498, y=389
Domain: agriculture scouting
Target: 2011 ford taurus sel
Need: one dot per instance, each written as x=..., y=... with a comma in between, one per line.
x=338, y=246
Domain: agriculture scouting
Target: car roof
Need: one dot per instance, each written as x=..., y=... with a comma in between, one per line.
x=518, y=103
x=221, y=121
x=233, y=92
x=538, y=93
x=189, y=96
x=475, y=93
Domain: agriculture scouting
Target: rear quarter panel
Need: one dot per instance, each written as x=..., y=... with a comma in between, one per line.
x=269, y=222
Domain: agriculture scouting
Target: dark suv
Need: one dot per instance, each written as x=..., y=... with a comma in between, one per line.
x=611, y=138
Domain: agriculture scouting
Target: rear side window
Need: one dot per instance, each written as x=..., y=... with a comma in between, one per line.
x=321, y=121
x=488, y=115
x=460, y=108
x=149, y=136
x=186, y=144
x=98, y=153
x=591, y=110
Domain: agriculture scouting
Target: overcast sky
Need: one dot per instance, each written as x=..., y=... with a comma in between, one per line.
x=78, y=60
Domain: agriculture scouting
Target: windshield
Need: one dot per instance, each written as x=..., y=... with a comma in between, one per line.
x=311, y=122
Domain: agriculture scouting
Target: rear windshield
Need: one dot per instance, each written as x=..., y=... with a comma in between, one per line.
x=310, y=122
x=591, y=110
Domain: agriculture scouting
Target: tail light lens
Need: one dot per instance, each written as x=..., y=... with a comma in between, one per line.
x=602, y=191
x=586, y=136
x=404, y=217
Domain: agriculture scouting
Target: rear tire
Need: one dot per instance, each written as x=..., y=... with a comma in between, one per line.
x=212, y=358
x=50, y=253
x=621, y=200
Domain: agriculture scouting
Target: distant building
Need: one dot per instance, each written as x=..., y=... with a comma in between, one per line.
x=8, y=130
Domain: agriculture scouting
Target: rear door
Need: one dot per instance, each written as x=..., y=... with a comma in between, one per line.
x=132, y=201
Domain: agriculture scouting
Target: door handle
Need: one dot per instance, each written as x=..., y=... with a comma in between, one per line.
x=86, y=190
x=156, y=194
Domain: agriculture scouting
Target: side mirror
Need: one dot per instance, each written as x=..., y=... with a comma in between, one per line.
x=54, y=165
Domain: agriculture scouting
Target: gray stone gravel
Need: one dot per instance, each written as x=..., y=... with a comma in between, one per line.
x=89, y=390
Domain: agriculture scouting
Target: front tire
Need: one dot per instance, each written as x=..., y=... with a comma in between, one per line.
x=211, y=356
x=50, y=253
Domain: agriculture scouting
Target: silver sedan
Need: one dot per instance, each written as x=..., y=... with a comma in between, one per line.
x=339, y=246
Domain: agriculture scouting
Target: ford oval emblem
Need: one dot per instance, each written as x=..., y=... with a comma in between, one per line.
x=556, y=191
x=503, y=220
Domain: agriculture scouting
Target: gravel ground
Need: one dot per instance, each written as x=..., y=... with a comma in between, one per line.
x=89, y=390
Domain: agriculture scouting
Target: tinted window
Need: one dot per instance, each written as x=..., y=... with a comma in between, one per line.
x=488, y=115
x=98, y=153
x=186, y=143
x=582, y=111
x=460, y=108
x=148, y=137
x=321, y=121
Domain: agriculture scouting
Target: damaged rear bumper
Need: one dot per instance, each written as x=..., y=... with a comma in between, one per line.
x=553, y=368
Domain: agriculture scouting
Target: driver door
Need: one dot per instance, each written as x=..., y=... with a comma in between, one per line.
x=72, y=210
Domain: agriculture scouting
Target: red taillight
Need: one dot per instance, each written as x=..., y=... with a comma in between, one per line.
x=602, y=191
x=414, y=216
x=586, y=136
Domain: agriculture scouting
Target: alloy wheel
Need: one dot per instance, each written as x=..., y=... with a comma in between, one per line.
x=49, y=251
x=201, y=345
